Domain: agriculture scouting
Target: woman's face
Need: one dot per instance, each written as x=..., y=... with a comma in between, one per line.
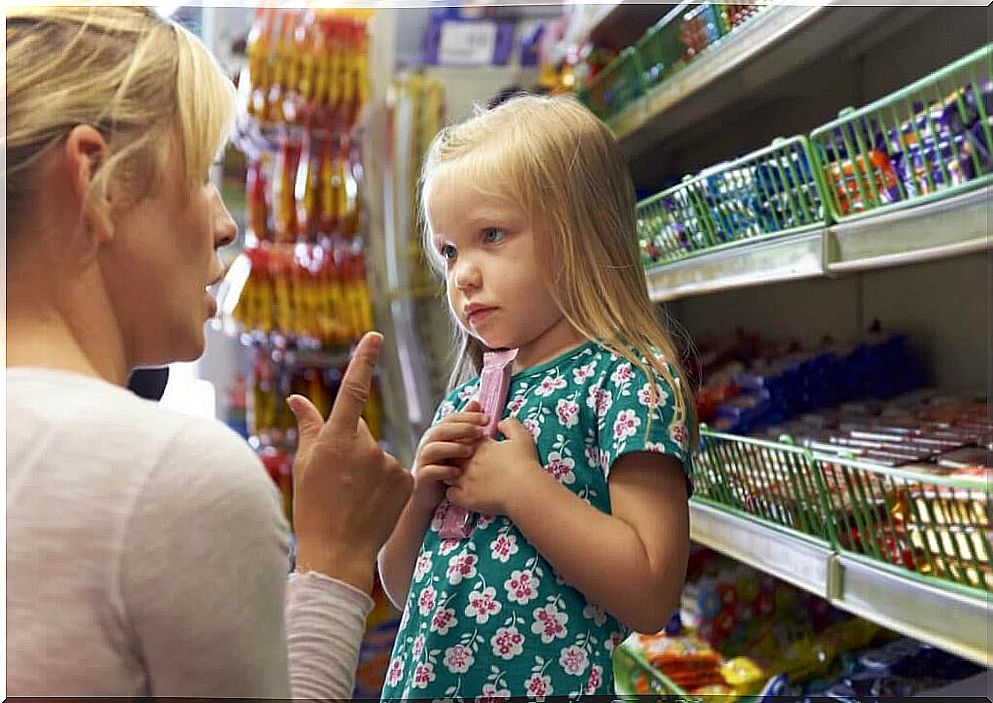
x=161, y=259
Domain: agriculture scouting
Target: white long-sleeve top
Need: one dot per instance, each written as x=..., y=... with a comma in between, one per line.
x=147, y=555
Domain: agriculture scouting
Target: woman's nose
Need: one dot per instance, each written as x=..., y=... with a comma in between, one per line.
x=225, y=228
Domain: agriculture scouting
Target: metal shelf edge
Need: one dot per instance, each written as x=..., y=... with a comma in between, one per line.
x=949, y=620
x=777, y=259
x=803, y=562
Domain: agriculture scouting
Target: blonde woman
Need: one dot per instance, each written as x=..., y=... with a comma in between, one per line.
x=583, y=527
x=146, y=552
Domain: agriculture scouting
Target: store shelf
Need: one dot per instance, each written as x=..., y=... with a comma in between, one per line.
x=936, y=230
x=801, y=561
x=762, y=51
x=622, y=24
x=952, y=621
x=746, y=264
x=947, y=618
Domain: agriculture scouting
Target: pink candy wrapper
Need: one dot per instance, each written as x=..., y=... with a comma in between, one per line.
x=494, y=382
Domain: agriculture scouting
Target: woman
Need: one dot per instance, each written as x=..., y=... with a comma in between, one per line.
x=146, y=551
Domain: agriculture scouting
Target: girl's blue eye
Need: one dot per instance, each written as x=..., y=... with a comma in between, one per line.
x=447, y=252
x=492, y=235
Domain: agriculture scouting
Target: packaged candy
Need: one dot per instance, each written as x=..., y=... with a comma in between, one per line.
x=494, y=382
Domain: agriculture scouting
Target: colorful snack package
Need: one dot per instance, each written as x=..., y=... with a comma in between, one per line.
x=494, y=382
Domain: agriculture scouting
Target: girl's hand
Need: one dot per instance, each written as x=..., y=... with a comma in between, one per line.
x=497, y=471
x=442, y=452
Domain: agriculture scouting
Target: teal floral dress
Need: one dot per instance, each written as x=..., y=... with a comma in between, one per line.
x=487, y=617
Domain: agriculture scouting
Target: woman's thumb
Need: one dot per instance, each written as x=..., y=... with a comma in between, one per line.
x=309, y=420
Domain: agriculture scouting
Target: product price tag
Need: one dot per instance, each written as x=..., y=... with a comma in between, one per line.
x=467, y=43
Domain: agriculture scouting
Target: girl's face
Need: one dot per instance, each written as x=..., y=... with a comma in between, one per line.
x=161, y=261
x=496, y=287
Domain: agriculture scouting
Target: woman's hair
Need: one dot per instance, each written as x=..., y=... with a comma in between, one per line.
x=124, y=70
x=562, y=164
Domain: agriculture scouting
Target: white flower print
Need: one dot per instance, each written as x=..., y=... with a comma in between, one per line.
x=655, y=447
x=549, y=385
x=514, y=406
x=603, y=457
x=561, y=468
x=678, y=434
x=395, y=672
x=448, y=546
x=592, y=455
x=423, y=675
x=439, y=515
x=567, y=412
x=574, y=660
x=467, y=392
x=443, y=621
x=580, y=374
x=458, y=659
x=504, y=547
x=595, y=613
x=534, y=427
x=507, y=643
x=492, y=694
x=522, y=587
x=423, y=566
x=539, y=686
x=600, y=399
x=626, y=425
x=595, y=680
x=417, y=648
x=615, y=638
x=484, y=521
x=482, y=605
x=549, y=623
x=462, y=566
x=622, y=374
x=446, y=409
x=645, y=396
x=427, y=600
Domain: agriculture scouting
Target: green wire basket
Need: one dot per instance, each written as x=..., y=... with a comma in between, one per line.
x=929, y=140
x=615, y=87
x=776, y=483
x=772, y=191
x=938, y=528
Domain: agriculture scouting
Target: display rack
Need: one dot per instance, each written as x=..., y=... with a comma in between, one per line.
x=746, y=66
x=927, y=232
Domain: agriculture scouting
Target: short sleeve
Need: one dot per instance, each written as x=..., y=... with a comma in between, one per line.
x=628, y=420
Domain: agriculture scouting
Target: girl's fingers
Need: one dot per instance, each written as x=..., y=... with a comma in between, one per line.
x=439, y=473
x=473, y=418
x=442, y=452
x=454, y=432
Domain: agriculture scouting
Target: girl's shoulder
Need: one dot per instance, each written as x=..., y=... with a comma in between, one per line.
x=633, y=366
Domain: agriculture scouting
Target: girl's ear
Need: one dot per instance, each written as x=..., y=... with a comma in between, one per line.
x=84, y=152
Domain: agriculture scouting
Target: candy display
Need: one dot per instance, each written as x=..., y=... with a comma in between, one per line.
x=910, y=145
x=769, y=191
x=665, y=48
x=744, y=633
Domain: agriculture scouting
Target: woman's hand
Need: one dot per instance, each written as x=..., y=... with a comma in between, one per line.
x=442, y=454
x=347, y=492
x=497, y=471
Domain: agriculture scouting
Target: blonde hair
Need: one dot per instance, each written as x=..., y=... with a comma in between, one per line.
x=123, y=70
x=566, y=169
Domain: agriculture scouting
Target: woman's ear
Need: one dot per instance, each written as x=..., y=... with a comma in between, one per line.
x=85, y=151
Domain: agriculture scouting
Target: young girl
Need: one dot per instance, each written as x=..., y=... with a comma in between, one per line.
x=582, y=532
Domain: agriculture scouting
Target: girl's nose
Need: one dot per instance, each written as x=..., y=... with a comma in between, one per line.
x=467, y=276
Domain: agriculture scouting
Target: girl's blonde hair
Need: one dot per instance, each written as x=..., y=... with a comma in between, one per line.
x=562, y=164
x=124, y=70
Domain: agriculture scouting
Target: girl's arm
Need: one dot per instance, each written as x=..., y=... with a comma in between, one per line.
x=631, y=563
x=399, y=555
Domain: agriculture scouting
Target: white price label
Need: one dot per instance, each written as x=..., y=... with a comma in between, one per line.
x=467, y=43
